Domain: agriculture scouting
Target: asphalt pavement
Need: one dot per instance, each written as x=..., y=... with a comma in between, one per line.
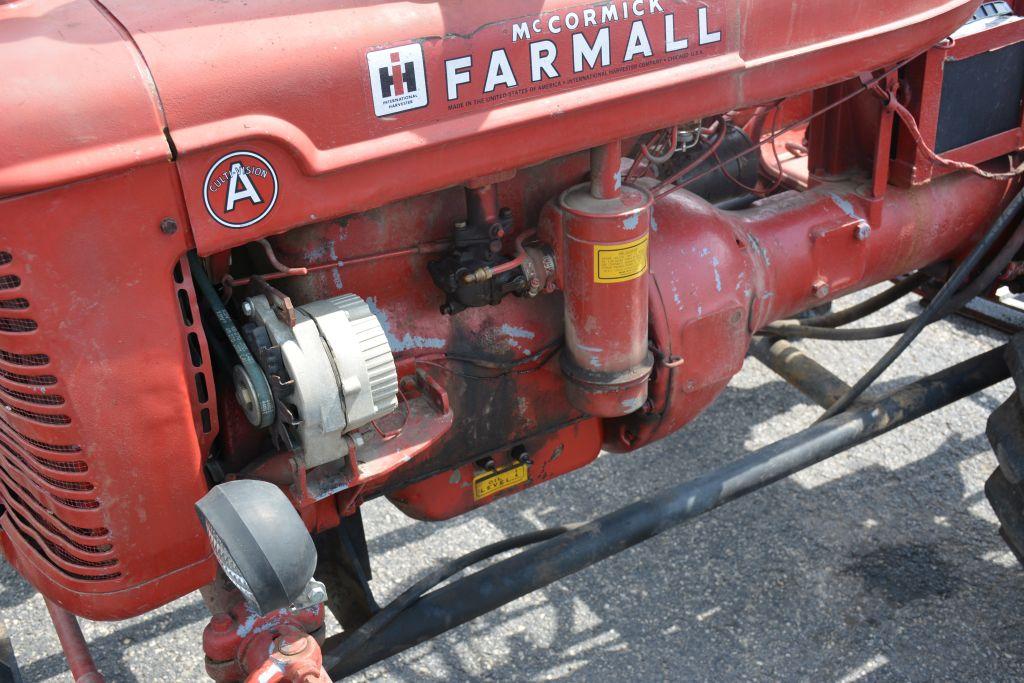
x=882, y=564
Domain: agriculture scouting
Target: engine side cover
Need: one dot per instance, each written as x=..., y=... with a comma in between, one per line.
x=343, y=369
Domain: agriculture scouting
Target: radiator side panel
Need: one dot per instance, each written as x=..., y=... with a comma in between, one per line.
x=102, y=436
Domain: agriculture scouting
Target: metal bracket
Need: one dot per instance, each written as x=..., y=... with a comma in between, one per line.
x=279, y=302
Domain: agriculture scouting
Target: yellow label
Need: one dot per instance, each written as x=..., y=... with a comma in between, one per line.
x=489, y=483
x=620, y=262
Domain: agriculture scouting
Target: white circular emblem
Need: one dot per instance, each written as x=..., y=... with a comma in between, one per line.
x=240, y=189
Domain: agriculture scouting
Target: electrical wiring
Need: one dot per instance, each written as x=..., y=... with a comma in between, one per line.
x=670, y=148
x=395, y=433
x=792, y=126
x=518, y=367
x=907, y=118
x=713, y=149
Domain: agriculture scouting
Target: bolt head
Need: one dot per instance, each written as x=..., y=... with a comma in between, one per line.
x=168, y=226
x=248, y=309
x=862, y=232
x=291, y=646
x=820, y=289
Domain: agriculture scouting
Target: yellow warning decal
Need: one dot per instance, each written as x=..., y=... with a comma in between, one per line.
x=489, y=483
x=620, y=262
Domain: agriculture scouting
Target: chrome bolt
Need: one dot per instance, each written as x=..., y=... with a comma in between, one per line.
x=248, y=309
x=820, y=289
x=317, y=594
x=863, y=231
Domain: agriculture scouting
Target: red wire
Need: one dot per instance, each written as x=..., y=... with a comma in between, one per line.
x=908, y=121
x=641, y=157
x=775, y=151
x=694, y=164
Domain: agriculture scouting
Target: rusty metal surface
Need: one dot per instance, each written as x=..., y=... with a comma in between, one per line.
x=923, y=589
x=806, y=374
x=134, y=384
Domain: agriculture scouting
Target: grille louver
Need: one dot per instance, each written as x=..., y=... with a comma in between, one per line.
x=45, y=492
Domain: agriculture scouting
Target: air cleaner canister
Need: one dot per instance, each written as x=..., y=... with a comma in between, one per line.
x=602, y=230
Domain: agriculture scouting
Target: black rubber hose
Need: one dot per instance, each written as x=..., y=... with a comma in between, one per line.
x=798, y=329
x=790, y=330
x=569, y=552
x=939, y=305
x=868, y=306
x=358, y=638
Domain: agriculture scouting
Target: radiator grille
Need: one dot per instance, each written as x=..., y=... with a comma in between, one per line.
x=17, y=325
x=46, y=496
x=28, y=380
x=17, y=304
x=30, y=360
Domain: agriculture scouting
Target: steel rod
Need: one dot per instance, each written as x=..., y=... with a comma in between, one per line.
x=76, y=650
x=807, y=375
x=545, y=563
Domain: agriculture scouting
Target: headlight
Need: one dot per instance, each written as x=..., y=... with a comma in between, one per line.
x=261, y=544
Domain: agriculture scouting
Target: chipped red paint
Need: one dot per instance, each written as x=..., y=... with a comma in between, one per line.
x=600, y=232
x=88, y=176
x=551, y=455
x=240, y=644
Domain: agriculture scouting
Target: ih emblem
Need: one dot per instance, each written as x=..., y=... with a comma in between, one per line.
x=397, y=79
x=240, y=189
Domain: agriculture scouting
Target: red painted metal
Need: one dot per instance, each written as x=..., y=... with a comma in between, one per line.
x=337, y=157
x=404, y=441
x=120, y=115
x=283, y=645
x=923, y=83
x=600, y=231
x=551, y=455
x=718, y=276
x=102, y=462
x=296, y=658
x=492, y=410
x=76, y=651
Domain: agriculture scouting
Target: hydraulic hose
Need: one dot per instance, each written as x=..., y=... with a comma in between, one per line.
x=571, y=551
x=938, y=306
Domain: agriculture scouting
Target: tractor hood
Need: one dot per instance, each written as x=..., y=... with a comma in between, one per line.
x=343, y=105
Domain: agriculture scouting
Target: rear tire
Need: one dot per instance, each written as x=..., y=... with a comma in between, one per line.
x=1007, y=500
x=1005, y=430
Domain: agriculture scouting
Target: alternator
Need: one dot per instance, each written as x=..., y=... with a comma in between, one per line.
x=339, y=368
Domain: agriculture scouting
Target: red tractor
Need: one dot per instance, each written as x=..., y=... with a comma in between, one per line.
x=262, y=262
